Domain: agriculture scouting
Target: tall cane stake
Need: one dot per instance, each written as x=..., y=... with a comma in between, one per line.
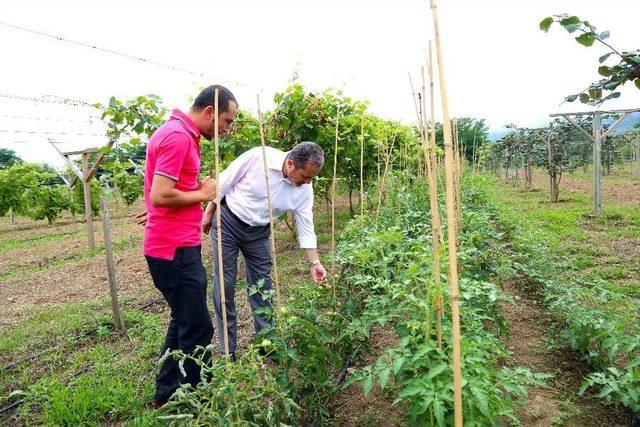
x=432, y=171
x=451, y=230
x=381, y=186
x=272, y=237
x=223, y=300
x=362, y=166
x=333, y=208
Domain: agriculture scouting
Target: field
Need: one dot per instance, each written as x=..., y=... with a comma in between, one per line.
x=59, y=349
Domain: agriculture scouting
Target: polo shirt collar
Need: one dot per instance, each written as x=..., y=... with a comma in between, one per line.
x=188, y=123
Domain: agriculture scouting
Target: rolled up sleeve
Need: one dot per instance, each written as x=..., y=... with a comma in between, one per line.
x=171, y=154
x=304, y=223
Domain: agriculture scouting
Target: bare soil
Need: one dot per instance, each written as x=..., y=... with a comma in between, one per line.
x=612, y=191
x=558, y=403
x=352, y=408
x=53, y=244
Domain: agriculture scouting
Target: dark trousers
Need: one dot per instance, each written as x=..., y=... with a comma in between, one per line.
x=255, y=246
x=183, y=283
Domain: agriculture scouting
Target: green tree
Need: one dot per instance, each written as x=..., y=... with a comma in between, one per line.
x=46, y=201
x=129, y=185
x=129, y=125
x=8, y=158
x=14, y=181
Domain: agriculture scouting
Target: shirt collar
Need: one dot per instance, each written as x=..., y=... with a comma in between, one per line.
x=276, y=160
x=187, y=122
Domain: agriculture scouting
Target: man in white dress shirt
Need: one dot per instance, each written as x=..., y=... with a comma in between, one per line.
x=245, y=223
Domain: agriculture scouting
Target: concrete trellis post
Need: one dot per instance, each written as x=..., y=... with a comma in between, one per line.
x=596, y=137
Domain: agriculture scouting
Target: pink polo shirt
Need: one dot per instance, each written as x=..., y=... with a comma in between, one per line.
x=173, y=151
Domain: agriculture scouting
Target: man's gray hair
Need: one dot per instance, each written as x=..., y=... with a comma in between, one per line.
x=305, y=152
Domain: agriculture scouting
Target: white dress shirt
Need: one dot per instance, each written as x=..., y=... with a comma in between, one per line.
x=245, y=189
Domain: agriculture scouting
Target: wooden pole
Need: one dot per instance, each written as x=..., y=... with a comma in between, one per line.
x=88, y=213
x=597, y=162
x=118, y=320
x=451, y=230
x=635, y=174
x=552, y=171
x=272, y=239
x=432, y=173
x=333, y=207
x=223, y=299
x=72, y=202
x=362, y=166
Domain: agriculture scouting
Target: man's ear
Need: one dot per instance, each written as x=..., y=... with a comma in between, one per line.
x=208, y=112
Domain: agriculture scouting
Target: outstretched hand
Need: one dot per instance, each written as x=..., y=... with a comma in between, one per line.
x=141, y=218
x=318, y=273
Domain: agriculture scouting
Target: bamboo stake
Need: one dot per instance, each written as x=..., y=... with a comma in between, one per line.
x=362, y=166
x=455, y=168
x=272, y=237
x=384, y=176
x=451, y=230
x=474, y=153
x=333, y=207
x=223, y=299
x=458, y=176
x=432, y=171
x=379, y=159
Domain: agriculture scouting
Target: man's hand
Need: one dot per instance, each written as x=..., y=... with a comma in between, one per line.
x=209, y=189
x=207, y=220
x=318, y=273
x=207, y=217
x=141, y=218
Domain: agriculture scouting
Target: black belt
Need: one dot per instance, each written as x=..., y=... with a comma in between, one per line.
x=224, y=203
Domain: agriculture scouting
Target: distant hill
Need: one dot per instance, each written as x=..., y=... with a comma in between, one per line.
x=629, y=123
x=626, y=126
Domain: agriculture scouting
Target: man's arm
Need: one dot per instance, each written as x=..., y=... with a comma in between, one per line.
x=307, y=237
x=164, y=194
x=318, y=272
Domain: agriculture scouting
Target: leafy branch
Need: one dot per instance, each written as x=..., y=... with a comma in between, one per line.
x=626, y=70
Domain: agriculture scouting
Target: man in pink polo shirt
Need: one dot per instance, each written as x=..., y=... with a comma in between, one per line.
x=174, y=197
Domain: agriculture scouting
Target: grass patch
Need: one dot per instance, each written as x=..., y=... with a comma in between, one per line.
x=12, y=243
x=118, y=382
x=121, y=244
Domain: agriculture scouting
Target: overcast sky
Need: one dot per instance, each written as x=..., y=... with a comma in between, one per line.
x=498, y=64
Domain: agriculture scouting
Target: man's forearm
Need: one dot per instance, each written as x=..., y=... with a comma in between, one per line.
x=312, y=255
x=176, y=198
x=211, y=208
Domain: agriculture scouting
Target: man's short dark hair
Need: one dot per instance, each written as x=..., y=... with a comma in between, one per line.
x=306, y=152
x=207, y=98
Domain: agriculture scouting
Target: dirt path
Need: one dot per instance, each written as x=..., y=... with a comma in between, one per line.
x=559, y=403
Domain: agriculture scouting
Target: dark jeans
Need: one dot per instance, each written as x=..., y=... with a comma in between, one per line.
x=183, y=283
x=255, y=246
